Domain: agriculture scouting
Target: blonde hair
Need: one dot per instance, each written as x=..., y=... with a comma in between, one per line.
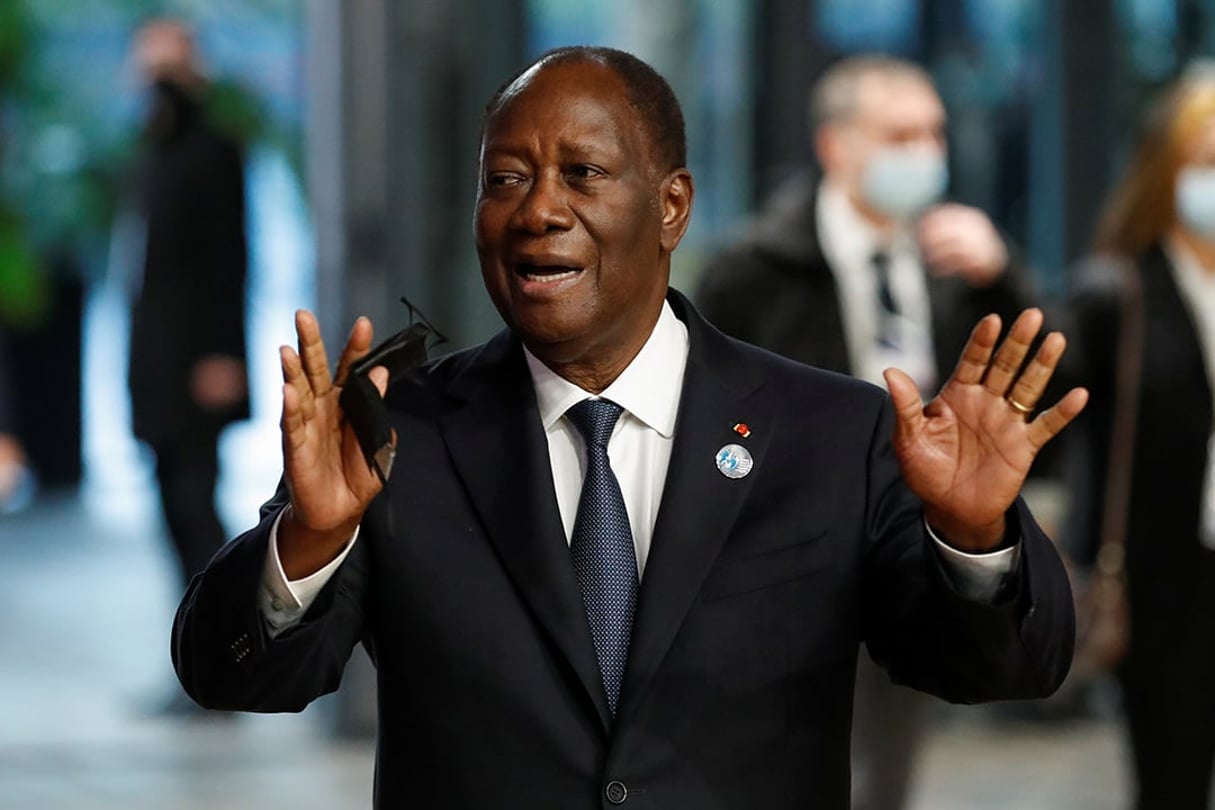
x=1142, y=207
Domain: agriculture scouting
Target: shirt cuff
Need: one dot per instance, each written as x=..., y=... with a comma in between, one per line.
x=977, y=577
x=284, y=602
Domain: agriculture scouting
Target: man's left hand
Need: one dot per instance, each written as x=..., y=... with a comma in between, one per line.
x=958, y=240
x=967, y=452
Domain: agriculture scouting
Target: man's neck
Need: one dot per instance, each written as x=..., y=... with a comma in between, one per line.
x=592, y=377
x=592, y=368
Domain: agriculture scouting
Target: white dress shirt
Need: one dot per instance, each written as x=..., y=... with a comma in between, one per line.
x=848, y=242
x=639, y=451
x=1197, y=286
x=640, y=448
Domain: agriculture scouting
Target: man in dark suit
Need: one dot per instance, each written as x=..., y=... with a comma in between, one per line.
x=187, y=359
x=766, y=518
x=862, y=269
x=13, y=462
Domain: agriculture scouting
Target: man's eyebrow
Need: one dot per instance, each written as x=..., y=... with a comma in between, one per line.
x=501, y=150
x=587, y=149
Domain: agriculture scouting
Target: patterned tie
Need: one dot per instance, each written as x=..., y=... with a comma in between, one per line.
x=602, y=547
x=888, y=308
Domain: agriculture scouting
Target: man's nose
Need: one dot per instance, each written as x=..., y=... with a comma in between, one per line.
x=545, y=207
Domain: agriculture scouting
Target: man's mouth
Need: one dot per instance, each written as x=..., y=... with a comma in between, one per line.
x=546, y=273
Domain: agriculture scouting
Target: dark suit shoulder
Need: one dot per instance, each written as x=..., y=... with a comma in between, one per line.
x=428, y=387
x=1098, y=280
x=779, y=241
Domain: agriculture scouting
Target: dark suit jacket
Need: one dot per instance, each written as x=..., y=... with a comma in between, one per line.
x=191, y=302
x=774, y=288
x=756, y=594
x=8, y=398
x=1171, y=576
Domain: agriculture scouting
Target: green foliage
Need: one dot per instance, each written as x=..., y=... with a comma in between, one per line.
x=66, y=152
x=24, y=292
x=234, y=111
x=15, y=36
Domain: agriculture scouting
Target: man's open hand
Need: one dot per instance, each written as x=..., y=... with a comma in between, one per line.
x=967, y=452
x=327, y=476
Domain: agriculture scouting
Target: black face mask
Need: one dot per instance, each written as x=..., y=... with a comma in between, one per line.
x=362, y=404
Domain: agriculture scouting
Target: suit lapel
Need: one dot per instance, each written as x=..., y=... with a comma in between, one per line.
x=500, y=452
x=699, y=503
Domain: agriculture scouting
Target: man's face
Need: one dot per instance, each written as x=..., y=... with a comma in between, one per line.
x=891, y=112
x=163, y=51
x=574, y=224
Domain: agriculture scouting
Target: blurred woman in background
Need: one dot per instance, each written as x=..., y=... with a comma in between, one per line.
x=1154, y=272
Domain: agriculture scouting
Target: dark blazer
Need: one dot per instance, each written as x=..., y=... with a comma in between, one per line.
x=756, y=594
x=774, y=288
x=191, y=301
x=1171, y=575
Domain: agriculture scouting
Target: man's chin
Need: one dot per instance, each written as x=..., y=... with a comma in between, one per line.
x=551, y=345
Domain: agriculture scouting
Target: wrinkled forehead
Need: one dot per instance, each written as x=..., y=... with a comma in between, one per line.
x=559, y=91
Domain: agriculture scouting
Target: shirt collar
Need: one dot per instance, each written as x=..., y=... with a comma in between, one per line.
x=648, y=388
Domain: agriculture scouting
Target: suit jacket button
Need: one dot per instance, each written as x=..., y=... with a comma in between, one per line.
x=616, y=792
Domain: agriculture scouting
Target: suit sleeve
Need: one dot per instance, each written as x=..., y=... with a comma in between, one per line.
x=931, y=637
x=222, y=652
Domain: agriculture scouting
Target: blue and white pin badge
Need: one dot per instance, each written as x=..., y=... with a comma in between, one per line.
x=734, y=461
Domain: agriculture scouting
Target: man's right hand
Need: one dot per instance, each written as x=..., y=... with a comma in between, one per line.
x=327, y=476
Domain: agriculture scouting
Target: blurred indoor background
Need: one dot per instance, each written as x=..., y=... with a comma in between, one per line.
x=362, y=121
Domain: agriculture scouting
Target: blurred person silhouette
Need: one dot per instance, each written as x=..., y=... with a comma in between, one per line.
x=15, y=475
x=625, y=558
x=187, y=371
x=1148, y=290
x=859, y=270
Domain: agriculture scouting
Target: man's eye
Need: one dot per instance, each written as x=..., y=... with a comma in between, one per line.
x=583, y=172
x=503, y=180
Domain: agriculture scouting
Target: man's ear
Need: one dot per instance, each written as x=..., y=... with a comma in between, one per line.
x=675, y=198
x=828, y=147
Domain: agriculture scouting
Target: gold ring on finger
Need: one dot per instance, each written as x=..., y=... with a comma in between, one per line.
x=1018, y=407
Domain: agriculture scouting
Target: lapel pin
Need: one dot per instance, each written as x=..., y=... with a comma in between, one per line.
x=742, y=430
x=734, y=461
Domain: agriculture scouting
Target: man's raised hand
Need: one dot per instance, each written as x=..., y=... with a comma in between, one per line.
x=967, y=452
x=327, y=476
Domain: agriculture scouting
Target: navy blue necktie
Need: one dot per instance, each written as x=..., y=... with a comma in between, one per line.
x=602, y=547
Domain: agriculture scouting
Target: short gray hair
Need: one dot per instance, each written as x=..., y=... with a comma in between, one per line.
x=834, y=97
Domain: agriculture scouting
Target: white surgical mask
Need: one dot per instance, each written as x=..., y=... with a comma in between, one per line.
x=901, y=181
x=1196, y=200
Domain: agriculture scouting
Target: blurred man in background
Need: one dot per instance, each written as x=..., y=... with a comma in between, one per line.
x=861, y=270
x=187, y=361
x=13, y=463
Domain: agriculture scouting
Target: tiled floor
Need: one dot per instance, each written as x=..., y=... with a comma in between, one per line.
x=85, y=601
x=85, y=604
